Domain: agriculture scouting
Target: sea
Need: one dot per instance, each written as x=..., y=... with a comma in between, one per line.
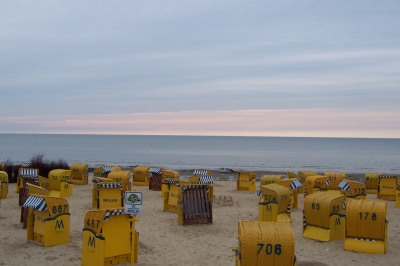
x=271, y=154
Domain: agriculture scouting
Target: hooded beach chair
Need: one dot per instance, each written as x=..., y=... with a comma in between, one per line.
x=49, y=222
x=109, y=238
x=366, y=226
x=123, y=177
x=170, y=195
x=59, y=184
x=246, y=181
x=275, y=203
x=352, y=190
x=293, y=184
x=104, y=170
x=322, y=216
x=79, y=173
x=334, y=179
x=29, y=189
x=168, y=175
x=141, y=175
x=26, y=173
x=302, y=175
x=265, y=243
x=387, y=187
x=106, y=193
x=371, y=182
x=315, y=183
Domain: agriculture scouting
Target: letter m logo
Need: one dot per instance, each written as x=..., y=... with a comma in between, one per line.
x=66, y=186
x=268, y=208
x=91, y=242
x=337, y=222
x=59, y=224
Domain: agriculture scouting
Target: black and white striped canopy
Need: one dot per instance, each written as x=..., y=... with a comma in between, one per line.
x=111, y=185
x=200, y=172
x=113, y=212
x=155, y=170
x=206, y=180
x=106, y=169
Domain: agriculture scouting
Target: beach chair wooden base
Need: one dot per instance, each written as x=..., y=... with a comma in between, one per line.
x=155, y=182
x=195, y=208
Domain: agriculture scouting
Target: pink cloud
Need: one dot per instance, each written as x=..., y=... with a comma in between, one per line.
x=301, y=122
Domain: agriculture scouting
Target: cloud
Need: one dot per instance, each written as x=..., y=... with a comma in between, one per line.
x=320, y=122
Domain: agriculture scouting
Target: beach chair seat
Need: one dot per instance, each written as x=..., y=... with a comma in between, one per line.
x=141, y=175
x=49, y=222
x=109, y=238
x=366, y=226
x=265, y=243
x=322, y=216
x=79, y=173
x=194, y=206
x=246, y=181
x=275, y=203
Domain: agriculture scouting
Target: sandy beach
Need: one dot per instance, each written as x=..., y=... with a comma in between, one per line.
x=164, y=242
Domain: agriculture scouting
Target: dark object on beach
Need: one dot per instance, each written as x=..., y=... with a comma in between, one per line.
x=226, y=170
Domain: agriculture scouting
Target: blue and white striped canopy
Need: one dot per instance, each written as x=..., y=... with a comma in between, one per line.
x=38, y=203
x=206, y=180
x=31, y=172
x=328, y=182
x=344, y=185
x=295, y=184
x=155, y=170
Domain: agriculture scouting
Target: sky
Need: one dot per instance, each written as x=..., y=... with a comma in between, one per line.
x=221, y=68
